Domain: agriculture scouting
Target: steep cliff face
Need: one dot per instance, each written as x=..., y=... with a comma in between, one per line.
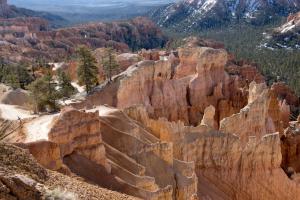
x=235, y=164
x=228, y=165
x=21, y=177
x=180, y=87
x=104, y=146
x=194, y=124
x=260, y=117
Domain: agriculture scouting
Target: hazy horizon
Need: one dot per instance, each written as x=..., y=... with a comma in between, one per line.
x=53, y=4
x=79, y=11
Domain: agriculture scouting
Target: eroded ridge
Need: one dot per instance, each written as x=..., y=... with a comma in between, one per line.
x=193, y=124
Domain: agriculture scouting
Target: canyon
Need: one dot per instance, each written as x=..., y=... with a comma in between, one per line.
x=25, y=39
x=191, y=123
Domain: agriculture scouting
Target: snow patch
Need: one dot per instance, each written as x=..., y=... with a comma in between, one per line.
x=57, y=66
x=288, y=28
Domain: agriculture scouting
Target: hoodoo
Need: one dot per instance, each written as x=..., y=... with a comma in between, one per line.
x=125, y=110
x=194, y=124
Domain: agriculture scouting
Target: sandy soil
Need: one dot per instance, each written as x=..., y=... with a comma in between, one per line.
x=11, y=112
x=103, y=110
x=38, y=128
x=78, y=87
x=16, y=161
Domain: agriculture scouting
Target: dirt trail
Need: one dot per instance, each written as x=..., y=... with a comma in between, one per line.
x=11, y=112
x=38, y=129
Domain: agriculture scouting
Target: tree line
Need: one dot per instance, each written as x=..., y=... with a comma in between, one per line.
x=47, y=90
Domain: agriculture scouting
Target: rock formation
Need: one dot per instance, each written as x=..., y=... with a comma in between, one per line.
x=181, y=87
x=84, y=143
x=195, y=124
x=21, y=177
x=290, y=153
x=10, y=96
x=228, y=166
x=27, y=38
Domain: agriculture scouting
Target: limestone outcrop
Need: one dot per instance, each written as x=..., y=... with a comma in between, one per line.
x=229, y=165
x=104, y=146
x=193, y=124
x=254, y=120
x=178, y=88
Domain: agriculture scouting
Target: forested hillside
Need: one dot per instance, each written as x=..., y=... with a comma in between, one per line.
x=247, y=42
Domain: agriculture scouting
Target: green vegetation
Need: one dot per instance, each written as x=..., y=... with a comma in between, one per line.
x=87, y=70
x=66, y=89
x=244, y=42
x=15, y=76
x=43, y=94
x=110, y=64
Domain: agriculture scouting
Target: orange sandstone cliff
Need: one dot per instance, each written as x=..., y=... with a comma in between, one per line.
x=193, y=124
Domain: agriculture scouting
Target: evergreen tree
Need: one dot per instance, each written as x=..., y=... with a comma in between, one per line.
x=15, y=76
x=12, y=80
x=66, y=89
x=87, y=71
x=23, y=76
x=2, y=66
x=44, y=94
x=9, y=77
x=109, y=63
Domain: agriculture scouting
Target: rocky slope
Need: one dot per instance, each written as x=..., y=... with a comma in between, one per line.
x=287, y=35
x=21, y=177
x=182, y=86
x=31, y=38
x=10, y=11
x=197, y=14
x=193, y=124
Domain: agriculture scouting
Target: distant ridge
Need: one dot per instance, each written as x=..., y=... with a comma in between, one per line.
x=10, y=11
x=188, y=15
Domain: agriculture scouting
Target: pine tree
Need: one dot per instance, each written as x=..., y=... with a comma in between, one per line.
x=16, y=76
x=23, y=76
x=109, y=63
x=2, y=66
x=44, y=94
x=87, y=71
x=66, y=89
x=12, y=80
